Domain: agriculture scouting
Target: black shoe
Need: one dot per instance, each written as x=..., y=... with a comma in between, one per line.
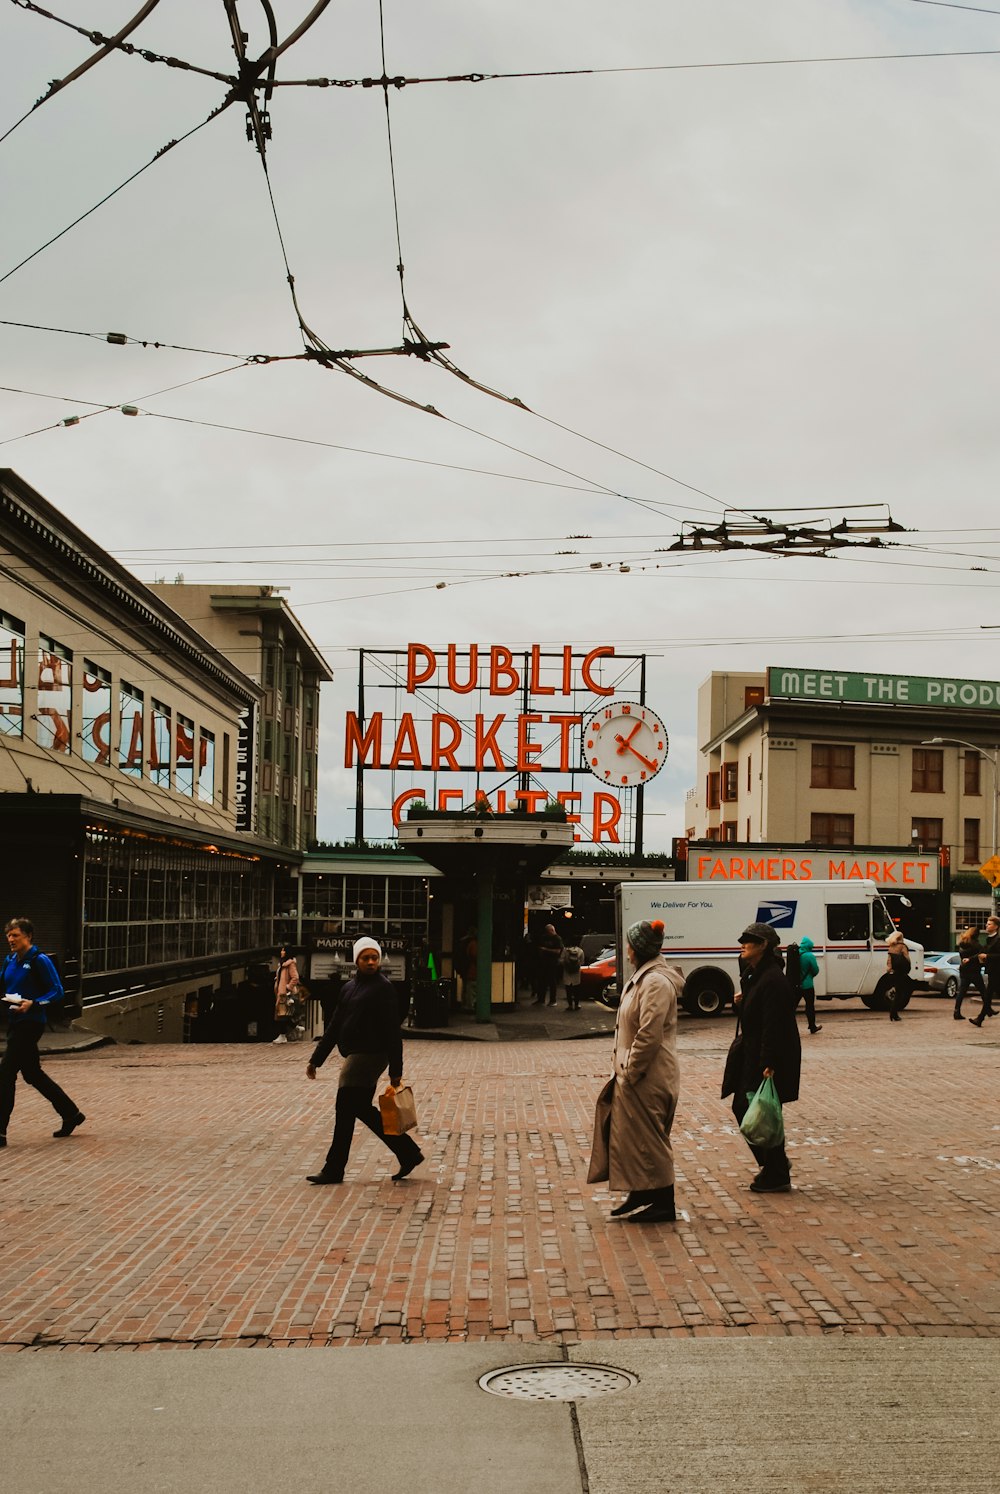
x=975, y=1021
x=635, y=1200
x=322, y=1177
x=655, y=1214
x=3, y=1138
x=69, y=1126
x=770, y=1185
x=817, y=1028
x=958, y=1016
x=405, y=1168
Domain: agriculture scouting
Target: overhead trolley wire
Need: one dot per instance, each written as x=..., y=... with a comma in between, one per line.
x=400, y=81
x=163, y=150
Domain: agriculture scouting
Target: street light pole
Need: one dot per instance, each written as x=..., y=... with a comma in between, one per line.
x=991, y=757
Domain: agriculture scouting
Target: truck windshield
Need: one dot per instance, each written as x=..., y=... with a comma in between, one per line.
x=882, y=920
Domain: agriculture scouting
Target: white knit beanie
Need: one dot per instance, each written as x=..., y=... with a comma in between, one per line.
x=365, y=943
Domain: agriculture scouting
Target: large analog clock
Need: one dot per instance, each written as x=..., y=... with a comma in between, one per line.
x=625, y=744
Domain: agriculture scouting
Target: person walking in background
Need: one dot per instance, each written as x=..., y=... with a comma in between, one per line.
x=801, y=970
x=365, y=1027
x=991, y=965
x=988, y=961
x=286, y=981
x=550, y=948
x=766, y=1045
x=31, y=976
x=898, y=965
x=572, y=963
x=635, y=1109
x=970, y=971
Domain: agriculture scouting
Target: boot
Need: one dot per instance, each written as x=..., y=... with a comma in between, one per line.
x=635, y=1200
x=661, y=1208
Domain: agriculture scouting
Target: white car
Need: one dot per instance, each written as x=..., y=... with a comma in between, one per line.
x=941, y=973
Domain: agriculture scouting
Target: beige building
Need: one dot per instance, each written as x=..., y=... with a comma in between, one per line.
x=256, y=629
x=119, y=814
x=836, y=759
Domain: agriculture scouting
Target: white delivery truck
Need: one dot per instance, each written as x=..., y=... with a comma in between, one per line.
x=848, y=923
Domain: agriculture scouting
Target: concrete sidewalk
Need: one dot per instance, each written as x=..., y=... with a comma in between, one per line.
x=858, y=1416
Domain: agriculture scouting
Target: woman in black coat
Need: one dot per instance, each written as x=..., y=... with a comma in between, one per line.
x=767, y=1045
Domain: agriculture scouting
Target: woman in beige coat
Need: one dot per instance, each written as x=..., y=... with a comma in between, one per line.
x=635, y=1110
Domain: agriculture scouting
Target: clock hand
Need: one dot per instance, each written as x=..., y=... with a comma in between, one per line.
x=646, y=762
x=625, y=741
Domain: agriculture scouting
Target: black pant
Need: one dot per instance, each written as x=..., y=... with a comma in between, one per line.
x=21, y=1058
x=809, y=995
x=970, y=978
x=773, y=1161
x=547, y=983
x=354, y=1103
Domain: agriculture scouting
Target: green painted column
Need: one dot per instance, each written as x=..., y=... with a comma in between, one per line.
x=484, y=940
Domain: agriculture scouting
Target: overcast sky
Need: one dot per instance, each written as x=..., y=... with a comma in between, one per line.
x=777, y=284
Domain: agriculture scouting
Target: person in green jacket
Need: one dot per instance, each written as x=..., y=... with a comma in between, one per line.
x=809, y=969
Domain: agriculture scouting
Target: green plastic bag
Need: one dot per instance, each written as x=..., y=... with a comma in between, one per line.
x=763, y=1125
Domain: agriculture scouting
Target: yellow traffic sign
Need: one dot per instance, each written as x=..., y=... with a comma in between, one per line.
x=991, y=871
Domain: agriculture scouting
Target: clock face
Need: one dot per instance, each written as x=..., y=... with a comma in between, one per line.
x=625, y=744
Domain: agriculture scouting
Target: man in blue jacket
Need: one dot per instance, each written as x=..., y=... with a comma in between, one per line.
x=31, y=976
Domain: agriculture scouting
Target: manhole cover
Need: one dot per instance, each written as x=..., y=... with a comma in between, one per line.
x=555, y=1382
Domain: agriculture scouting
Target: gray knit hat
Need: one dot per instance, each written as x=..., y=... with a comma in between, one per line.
x=760, y=933
x=645, y=940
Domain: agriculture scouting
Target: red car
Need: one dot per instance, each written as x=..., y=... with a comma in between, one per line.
x=595, y=977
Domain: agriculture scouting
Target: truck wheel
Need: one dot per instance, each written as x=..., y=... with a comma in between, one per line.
x=706, y=996
x=878, y=1001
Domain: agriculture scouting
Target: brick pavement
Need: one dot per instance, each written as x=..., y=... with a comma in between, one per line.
x=178, y=1215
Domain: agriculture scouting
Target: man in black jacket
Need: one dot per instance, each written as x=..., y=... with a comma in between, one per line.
x=991, y=969
x=768, y=1045
x=365, y=1027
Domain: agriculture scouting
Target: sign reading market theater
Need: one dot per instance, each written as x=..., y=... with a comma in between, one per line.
x=489, y=726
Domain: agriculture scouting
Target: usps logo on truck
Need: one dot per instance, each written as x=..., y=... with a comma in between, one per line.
x=778, y=915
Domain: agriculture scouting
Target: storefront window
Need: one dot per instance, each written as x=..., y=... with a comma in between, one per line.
x=55, y=696
x=148, y=902
x=11, y=676
x=130, y=706
x=96, y=743
x=159, y=747
x=184, y=766
x=206, y=766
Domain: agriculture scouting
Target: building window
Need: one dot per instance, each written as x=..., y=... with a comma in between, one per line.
x=832, y=829
x=96, y=735
x=928, y=771
x=970, y=840
x=159, y=747
x=712, y=791
x=730, y=783
x=749, y=779
x=206, y=766
x=55, y=696
x=11, y=676
x=927, y=833
x=748, y=830
x=972, y=762
x=184, y=766
x=970, y=918
x=713, y=832
x=832, y=766
x=130, y=709
x=729, y=830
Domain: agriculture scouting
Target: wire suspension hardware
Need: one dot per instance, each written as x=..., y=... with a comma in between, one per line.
x=778, y=537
